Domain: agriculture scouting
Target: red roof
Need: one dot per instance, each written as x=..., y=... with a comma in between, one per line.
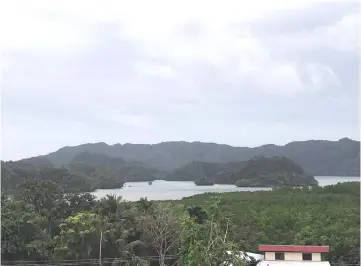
x=287, y=248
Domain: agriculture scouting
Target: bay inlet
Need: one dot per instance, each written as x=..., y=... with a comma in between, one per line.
x=174, y=190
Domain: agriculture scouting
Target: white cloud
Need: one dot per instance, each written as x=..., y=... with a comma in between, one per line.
x=24, y=28
x=146, y=71
x=154, y=69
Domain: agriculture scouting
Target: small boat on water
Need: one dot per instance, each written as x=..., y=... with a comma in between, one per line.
x=150, y=182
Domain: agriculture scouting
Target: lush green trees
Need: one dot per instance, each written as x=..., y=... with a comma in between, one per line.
x=79, y=237
x=41, y=223
x=22, y=232
x=206, y=242
x=312, y=216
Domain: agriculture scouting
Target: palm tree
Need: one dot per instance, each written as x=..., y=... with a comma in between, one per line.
x=145, y=205
x=110, y=205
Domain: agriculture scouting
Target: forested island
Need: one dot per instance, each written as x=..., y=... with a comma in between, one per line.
x=204, y=181
x=277, y=171
x=42, y=223
x=90, y=171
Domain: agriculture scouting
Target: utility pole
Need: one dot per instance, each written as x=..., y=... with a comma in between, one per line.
x=100, y=247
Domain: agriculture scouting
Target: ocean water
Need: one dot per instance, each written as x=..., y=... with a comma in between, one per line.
x=173, y=190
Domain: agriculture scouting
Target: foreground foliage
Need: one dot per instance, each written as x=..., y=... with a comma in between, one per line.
x=41, y=223
x=327, y=215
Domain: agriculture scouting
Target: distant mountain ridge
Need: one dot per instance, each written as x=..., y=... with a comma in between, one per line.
x=317, y=157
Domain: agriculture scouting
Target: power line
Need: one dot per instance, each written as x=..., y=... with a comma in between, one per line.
x=107, y=260
x=82, y=261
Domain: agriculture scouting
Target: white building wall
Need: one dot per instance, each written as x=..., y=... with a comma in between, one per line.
x=293, y=256
x=269, y=256
x=316, y=256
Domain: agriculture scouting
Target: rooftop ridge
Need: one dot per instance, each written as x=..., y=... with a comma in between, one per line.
x=293, y=248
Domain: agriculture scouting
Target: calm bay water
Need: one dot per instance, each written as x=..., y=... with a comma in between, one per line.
x=173, y=190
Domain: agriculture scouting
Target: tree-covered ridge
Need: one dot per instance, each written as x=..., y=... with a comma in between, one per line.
x=13, y=174
x=218, y=173
x=256, y=172
x=40, y=223
x=317, y=157
x=117, y=167
x=195, y=170
x=86, y=172
x=276, y=171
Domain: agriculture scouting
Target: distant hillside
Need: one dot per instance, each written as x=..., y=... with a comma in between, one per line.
x=91, y=163
x=218, y=173
x=277, y=171
x=97, y=160
x=85, y=172
x=318, y=157
x=195, y=170
x=257, y=171
x=228, y=175
x=14, y=174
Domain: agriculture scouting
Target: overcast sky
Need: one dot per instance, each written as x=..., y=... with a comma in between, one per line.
x=243, y=73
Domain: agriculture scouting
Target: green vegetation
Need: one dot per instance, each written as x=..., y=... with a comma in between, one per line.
x=194, y=170
x=276, y=171
x=86, y=172
x=90, y=171
x=317, y=157
x=327, y=215
x=219, y=173
x=41, y=223
x=14, y=174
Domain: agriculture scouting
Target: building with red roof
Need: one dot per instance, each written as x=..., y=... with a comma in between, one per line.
x=276, y=255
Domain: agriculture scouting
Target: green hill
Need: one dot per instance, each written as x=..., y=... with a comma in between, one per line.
x=277, y=171
x=14, y=174
x=86, y=172
x=258, y=171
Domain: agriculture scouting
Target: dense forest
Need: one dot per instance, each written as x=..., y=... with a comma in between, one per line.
x=317, y=157
x=42, y=223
